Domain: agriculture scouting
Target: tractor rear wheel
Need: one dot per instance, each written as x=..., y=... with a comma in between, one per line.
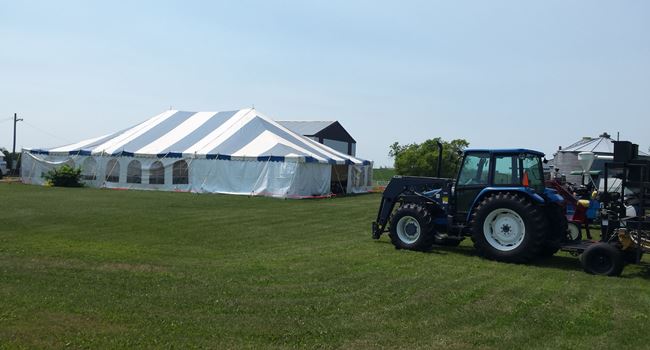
x=557, y=230
x=411, y=227
x=508, y=227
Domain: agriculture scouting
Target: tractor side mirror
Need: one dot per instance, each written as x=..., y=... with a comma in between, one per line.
x=545, y=160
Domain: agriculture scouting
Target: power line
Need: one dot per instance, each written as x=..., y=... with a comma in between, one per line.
x=46, y=132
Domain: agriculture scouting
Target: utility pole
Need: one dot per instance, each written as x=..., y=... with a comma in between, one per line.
x=14, y=160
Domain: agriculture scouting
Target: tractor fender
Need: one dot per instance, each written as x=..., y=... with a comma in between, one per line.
x=528, y=192
x=553, y=196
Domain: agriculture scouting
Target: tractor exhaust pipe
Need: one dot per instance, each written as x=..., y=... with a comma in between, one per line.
x=439, y=158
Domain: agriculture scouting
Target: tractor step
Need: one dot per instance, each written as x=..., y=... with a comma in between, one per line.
x=577, y=247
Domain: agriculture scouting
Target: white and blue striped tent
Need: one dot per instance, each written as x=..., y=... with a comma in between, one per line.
x=235, y=152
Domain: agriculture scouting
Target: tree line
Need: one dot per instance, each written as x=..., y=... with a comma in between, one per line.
x=421, y=159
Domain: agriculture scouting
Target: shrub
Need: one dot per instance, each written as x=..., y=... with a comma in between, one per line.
x=65, y=176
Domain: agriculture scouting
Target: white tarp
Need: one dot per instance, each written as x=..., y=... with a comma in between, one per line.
x=237, y=152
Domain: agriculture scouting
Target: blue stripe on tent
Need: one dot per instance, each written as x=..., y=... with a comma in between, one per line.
x=39, y=151
x=122, y=154
x=310, y=159
x=218, y=156
x=331, y=161
x=250, y=131
x=79, y=153
x=270, y=159
x=204, y=130
x=366, y=162
x=91, y=146
x=348, y=162
x=170, y=155
x=157, y=131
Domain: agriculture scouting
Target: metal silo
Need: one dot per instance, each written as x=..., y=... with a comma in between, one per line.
x=566, y=159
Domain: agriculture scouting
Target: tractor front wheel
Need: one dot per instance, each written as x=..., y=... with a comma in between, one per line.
x=508, y=227
x=411, y=227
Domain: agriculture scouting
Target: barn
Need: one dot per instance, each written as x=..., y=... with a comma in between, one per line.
x=234, y=152
x=329, y=133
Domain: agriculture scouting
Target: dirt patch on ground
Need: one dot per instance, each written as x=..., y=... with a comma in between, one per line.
x=49, y=329
x=47, y=262
x=6, y=179
x=131, y=267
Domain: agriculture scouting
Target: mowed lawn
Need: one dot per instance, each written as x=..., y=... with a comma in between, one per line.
x=383, y=174
x=87, y=268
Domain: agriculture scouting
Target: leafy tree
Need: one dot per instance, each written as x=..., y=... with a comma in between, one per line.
x=422, y=159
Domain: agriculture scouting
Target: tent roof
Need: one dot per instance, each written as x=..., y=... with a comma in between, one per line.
x=242, y=134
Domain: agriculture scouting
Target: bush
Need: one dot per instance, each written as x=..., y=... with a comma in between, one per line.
x=65, y=176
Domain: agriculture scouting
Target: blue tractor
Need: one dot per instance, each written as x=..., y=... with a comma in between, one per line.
x=498, y=199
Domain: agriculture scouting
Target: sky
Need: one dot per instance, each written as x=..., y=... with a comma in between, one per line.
x=500, y=74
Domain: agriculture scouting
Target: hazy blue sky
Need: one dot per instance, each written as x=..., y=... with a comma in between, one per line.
x=535, y=74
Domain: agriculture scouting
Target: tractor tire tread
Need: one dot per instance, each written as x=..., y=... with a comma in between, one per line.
x=425, y=242
x=534, y=221
x=557, y=230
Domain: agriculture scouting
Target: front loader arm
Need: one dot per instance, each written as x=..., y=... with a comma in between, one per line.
x=399, y=188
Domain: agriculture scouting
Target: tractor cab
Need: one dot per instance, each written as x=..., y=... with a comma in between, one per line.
x=484, y=171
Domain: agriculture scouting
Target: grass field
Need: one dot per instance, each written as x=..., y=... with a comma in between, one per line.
x=86, y=268
x=383, y=174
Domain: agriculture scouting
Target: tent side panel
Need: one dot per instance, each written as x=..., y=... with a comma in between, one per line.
x=311, y=180
x=34, y=167
x=258, y=178
x=359, y=178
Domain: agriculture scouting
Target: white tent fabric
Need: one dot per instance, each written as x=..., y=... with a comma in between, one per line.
x=235, y=152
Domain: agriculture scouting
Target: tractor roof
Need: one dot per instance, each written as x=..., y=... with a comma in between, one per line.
x=506, y=151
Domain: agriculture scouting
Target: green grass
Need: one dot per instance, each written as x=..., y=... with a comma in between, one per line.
x=86, y=268
x=383, y=174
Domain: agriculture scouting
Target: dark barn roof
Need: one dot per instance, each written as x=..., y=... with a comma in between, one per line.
x=332, y=130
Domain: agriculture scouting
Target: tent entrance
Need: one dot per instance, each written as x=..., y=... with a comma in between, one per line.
x=339, y=184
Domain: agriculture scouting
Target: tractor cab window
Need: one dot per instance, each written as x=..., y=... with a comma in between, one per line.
x=475, y=170
x=506, y=170
x=532, y=167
